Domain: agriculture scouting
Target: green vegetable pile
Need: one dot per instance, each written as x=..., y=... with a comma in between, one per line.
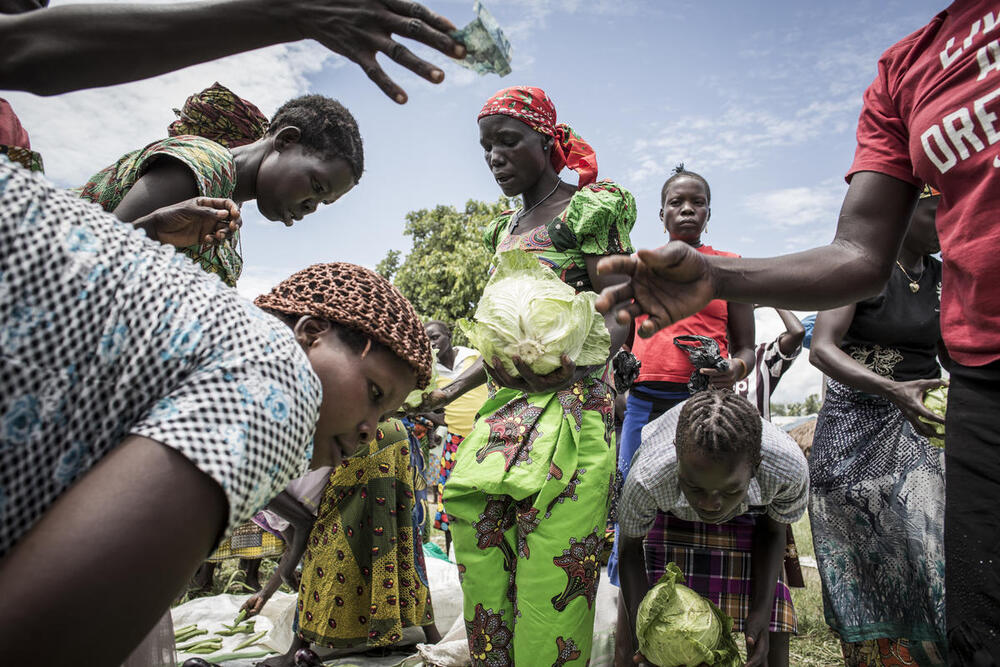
x=526, y=311
x=936, y=401
x=185, y=642
x=676, y=627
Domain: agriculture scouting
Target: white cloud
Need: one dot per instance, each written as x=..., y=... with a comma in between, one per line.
x=802, y=378
x=806, y=216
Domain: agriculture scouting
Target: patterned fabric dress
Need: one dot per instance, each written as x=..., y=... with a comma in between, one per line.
x=528, y=496
x=878, y=492
x=158, y=349
x=214, y=171
x=363, y=574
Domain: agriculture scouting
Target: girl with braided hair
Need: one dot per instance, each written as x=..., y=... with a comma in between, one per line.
x=170, y=415
x=713, y=488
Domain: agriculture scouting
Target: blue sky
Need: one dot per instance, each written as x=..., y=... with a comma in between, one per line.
x=762, y=98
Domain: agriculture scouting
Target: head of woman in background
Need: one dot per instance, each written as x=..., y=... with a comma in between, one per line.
x=718, y=445
x=311, y=154
x=524, y=147
x=363, y=339
x=685, y=206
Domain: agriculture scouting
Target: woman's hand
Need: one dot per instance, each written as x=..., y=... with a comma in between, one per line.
x=909, y=398
x=725, y=379
x=197, y=220
x=668, y=284
x=255, y=603
x=756, y=631
x=433, y=400
x=359, y=29
x=530, y=382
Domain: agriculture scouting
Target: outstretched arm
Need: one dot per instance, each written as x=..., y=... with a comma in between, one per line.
x=144, y=514
x=794, y=334
x=65, y=48
x=675, y=281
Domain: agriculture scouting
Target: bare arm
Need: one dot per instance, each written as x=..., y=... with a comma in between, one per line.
x=635, y=585
x=65, y=48
x=766, y=556
x=826, y=355
x=145, y=515
x=740, y=330
x=795, y=333
x=167, y=182
x=674, y=281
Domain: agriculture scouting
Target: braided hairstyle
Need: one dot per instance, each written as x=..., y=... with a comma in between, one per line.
x=720, y=425
x=364, y=305
x=327, y=128
x=680, y=172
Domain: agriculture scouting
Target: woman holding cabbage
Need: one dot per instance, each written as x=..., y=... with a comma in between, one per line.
x=528, y=497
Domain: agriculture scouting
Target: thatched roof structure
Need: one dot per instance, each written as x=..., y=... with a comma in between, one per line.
x=803, y=434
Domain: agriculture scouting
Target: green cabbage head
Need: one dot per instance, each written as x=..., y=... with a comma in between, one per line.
x=676, y=627
x=526, y=311
x=936, y=401
x=416, y=397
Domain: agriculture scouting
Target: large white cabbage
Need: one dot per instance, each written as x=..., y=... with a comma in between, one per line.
x=676, y=627
x=526, y=311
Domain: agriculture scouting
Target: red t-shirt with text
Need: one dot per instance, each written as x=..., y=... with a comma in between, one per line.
x=662, y=361
x=932, y=115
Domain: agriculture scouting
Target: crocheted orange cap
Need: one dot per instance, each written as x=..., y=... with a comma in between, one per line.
x=355, y=297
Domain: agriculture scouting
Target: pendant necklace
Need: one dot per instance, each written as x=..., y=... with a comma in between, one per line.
x=914, y=285
x=525, y=211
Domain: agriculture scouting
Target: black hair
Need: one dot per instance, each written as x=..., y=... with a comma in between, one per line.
x=443, y=325
x=327, y=128
x=679, y=172
x=354, y=339
x=720, y=425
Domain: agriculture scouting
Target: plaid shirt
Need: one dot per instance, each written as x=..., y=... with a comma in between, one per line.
x=780, y=487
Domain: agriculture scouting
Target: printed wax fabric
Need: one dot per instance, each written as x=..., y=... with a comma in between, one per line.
x=158, y=349
x=220, y=115
x=528, y=496
x=249, y=541
x=877, y=514
x=448, y=452
x=214, y=171
x=716, y=561
x=363, y=573
x=14, y=142
x=533, y=107
x=928, y=118
x=912, y=317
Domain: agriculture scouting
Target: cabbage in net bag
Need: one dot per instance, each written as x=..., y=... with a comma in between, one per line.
x=527, y=312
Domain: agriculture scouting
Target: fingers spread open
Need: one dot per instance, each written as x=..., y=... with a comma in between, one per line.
x=415, y=29
x=418, y=11
x=611, y=296
x=377, y=74
x=407, y=59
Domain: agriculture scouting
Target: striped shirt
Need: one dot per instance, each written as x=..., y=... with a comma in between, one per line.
x=780, y=487
x=769, y=365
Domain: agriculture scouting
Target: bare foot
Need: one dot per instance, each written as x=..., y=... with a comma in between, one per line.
x=203, y=578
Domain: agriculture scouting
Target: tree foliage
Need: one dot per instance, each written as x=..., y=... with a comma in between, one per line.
x=444, y=273
x=811, y=406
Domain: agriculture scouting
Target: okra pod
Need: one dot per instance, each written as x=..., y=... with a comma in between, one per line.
x=253, y=640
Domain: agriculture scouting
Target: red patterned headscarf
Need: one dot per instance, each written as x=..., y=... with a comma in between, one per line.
x=533, y=107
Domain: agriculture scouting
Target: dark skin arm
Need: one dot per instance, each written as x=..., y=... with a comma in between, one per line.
x=296, y=539
x=65, y=48
x=741, y=329
x=196, y=220
x=675, y=281
x=826, y=355
x=165, y=183
x=794, y=334
x=767, y=554
x=635, y=585
x=149, y=518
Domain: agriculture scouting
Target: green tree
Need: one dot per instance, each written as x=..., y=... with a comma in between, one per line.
x=812, y=404
x=444, y=273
